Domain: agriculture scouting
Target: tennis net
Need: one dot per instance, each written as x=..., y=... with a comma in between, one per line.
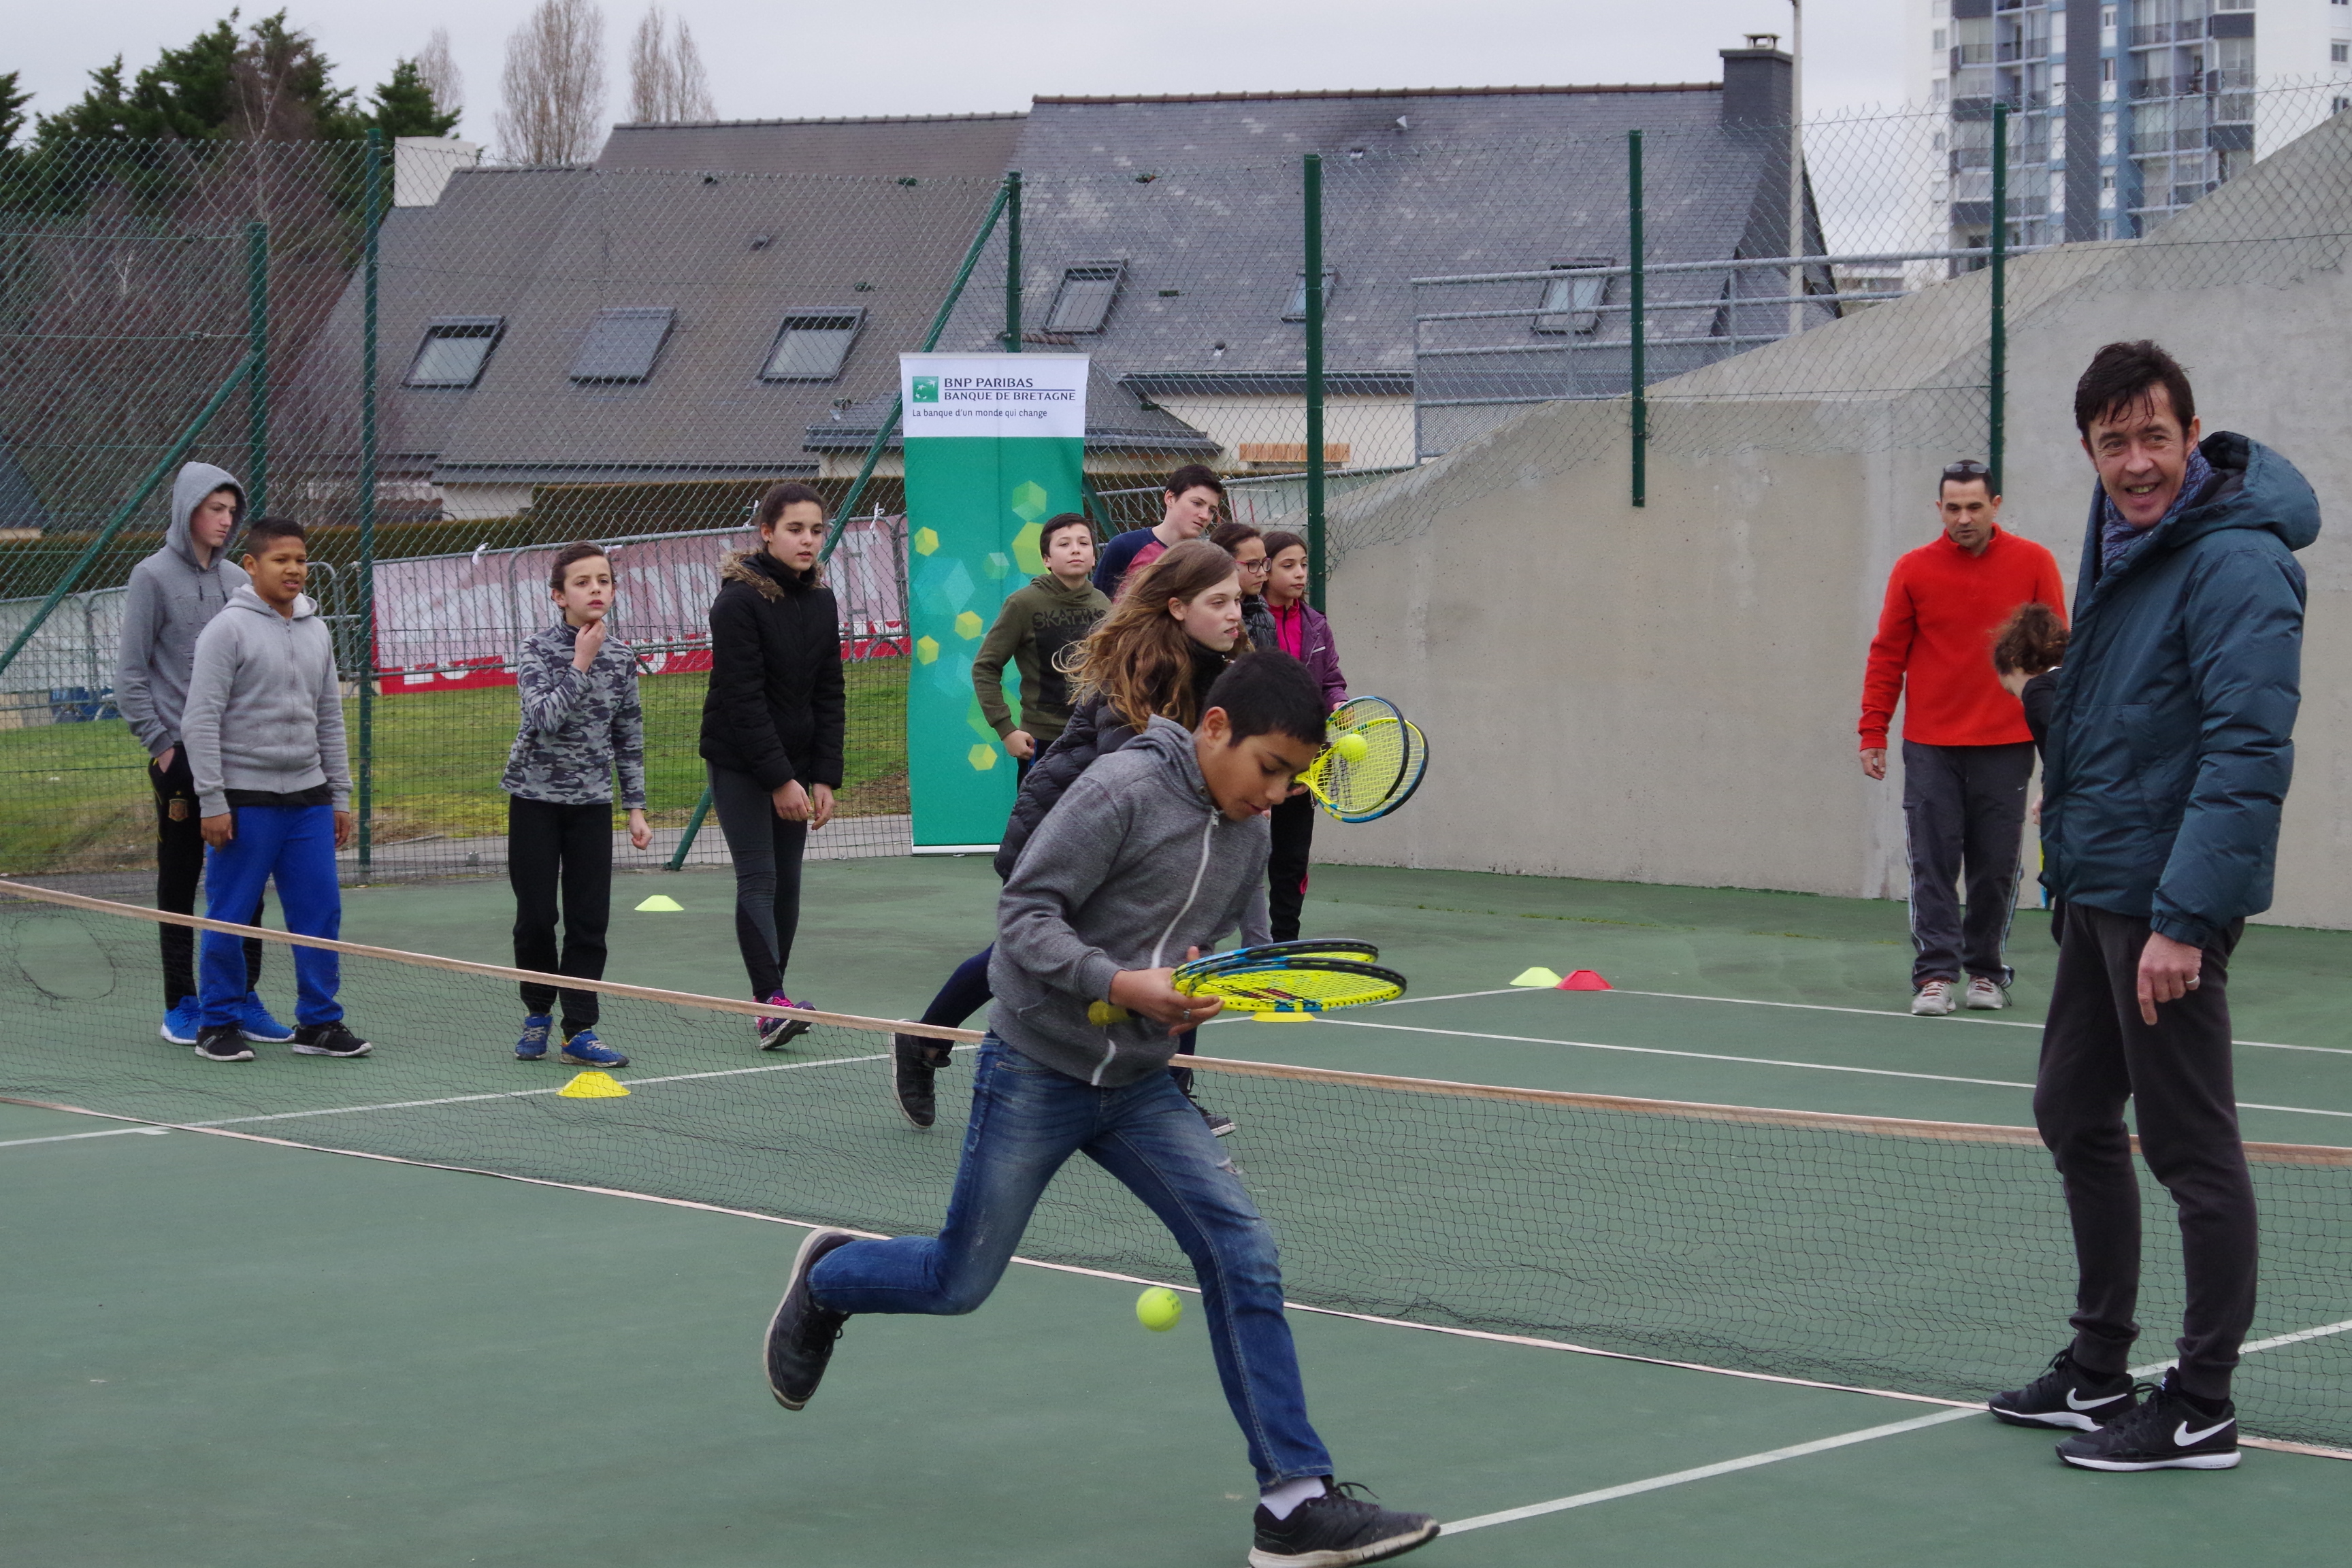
x=1928, y=1258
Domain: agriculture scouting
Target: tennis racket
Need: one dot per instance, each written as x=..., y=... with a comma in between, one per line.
x=1416, y=763
x=1278, y=979
x=1364, y=760
x=1273, y=951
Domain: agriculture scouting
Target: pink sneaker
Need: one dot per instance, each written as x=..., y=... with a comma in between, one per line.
x=777, y=1033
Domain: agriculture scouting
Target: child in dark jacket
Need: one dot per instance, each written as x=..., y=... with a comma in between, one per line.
x=1152, y=856
x=772, y=732
x=1247, y=545
x=1300, y=631
x=1158, y=651
x=581, y=722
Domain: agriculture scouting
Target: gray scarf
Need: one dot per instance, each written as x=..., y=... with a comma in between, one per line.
x=2119, y=540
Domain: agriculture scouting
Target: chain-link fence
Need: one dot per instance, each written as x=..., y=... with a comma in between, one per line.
x=633, y=355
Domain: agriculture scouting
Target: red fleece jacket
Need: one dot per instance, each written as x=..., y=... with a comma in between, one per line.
x=1933, y=646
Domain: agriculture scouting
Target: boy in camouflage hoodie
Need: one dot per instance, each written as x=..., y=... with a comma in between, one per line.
x=580, y=723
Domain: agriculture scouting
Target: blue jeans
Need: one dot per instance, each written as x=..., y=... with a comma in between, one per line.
x=295, y=846
x=1027, y=1121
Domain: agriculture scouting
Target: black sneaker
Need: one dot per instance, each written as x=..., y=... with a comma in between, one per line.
x=2066, y=1395
x=2166, y=1433
x=1335, y=1529
x=801, y=1334
x=222, y=1043
x=328, y=1040
x=913, y=1059
x=1218, y=1125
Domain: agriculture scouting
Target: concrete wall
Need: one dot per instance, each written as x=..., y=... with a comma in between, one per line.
x=1669, y=693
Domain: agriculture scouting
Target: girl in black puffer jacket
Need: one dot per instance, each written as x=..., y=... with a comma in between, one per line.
x=773, y=722
x=1177, y=624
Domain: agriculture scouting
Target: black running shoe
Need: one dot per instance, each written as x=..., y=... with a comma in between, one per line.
x=328, y=1040
x=801, y=1334
x=1336, y=1530
x=2066, y=1395
x=913, y=1059
x=222, y=1043
x=1218, y=1125
x=2166, y=1433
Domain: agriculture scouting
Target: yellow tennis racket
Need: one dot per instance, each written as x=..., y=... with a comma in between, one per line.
x=1280, y=979
x=1363, y=762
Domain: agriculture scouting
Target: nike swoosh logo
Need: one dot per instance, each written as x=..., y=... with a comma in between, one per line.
x=2183, y=1438
x=2074, y=1404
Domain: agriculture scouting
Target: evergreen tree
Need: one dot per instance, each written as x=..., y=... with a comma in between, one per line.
x=404, y=106
x=12, y=110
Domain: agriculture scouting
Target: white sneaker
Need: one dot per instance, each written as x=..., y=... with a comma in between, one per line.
x=1933, y=1000
x=1984, y=995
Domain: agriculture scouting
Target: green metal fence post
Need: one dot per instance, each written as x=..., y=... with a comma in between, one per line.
x=1013, y=262
x=1639, y=332
x=1313, y=216
x=257, y=385
x=1997, y=391
x=365, y=804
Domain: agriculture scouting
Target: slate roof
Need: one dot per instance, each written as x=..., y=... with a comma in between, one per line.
x=1200, y=198
x=730, y=253
x=1118, y=420
x=975, y=146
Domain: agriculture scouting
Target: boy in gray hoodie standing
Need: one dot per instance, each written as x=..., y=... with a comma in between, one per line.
x=174, y=594
x=264, y=730
x=1151, y=856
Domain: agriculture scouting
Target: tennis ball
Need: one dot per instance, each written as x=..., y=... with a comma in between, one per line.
x=1104, y=1013
x=1351, y=748
x=1158, y=1309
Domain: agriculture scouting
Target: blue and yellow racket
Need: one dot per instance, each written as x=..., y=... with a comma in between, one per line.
x=1282, y=978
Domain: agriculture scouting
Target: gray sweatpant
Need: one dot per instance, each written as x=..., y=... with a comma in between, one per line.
x=1963, y=813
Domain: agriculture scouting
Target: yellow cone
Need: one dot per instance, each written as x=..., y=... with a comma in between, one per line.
x=593, y=1085
x=1536, y=977
x=661, y=904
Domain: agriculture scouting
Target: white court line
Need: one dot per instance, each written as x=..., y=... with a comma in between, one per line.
x=1705, y=1472
x=521, y=1093
x=69, y=1137
x=1889, y=1013
x=1763, y=1061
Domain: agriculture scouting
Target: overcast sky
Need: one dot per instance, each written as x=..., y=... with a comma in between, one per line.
x=769, y=60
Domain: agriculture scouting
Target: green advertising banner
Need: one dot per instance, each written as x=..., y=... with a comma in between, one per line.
x=996, y=445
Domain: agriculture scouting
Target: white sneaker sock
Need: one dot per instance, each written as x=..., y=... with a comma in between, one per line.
x=1283, y=1500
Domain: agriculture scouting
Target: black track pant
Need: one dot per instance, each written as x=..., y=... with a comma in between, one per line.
x=767, y=851
x=1963, y=811
x=1286, y=867
x=561, y=850
x=179, y=870
x=2095, y=1055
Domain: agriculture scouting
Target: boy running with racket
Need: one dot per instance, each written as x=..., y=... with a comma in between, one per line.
x=1151, y=856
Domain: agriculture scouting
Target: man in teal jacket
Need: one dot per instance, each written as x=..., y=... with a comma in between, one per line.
x=2171, y=747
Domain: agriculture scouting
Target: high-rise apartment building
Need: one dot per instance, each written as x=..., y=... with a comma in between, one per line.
x=2120, y=112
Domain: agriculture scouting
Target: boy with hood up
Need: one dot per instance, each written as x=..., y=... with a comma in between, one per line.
x=174, y=594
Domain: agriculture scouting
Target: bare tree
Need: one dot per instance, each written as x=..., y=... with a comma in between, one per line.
x=437, y=63
x=554, y=85
x=667, y=81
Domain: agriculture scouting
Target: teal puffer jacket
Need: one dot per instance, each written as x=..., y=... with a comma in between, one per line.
x=2171, y=740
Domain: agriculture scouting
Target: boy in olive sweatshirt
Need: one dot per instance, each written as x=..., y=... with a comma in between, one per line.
x=1040, y=619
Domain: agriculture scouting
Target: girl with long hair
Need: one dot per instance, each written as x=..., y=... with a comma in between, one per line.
x=1169, y=635
x=772, y=723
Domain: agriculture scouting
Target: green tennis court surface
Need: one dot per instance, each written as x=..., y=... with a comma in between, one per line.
x=233, y=1351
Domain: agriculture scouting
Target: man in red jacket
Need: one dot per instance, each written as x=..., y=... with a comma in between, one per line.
x=1967, y=753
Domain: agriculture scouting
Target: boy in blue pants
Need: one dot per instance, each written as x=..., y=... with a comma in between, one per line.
x=264, y=730
x=1152, y=855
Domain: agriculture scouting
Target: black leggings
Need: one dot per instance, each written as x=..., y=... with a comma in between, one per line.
x=179, y=869
x=766, y=850
x=566, y=848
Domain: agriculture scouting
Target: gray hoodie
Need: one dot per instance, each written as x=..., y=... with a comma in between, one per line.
x=170, y=600
x=1133, y=866
x=265, y=710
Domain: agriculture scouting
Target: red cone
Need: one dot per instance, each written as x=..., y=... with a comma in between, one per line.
x=1584, y=980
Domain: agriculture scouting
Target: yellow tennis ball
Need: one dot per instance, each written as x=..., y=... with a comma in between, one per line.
x=1158, y=1309
x=1352, y=747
